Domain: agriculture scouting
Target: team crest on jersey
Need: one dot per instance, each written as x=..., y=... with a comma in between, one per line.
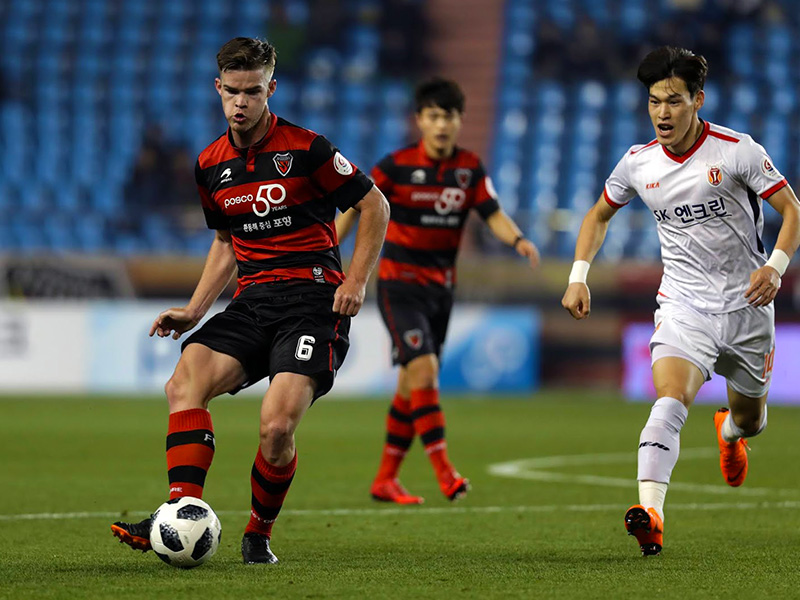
x=714, y=175
x=418, y=176
x=463, y=177
x=413, y=337
x=283, y=162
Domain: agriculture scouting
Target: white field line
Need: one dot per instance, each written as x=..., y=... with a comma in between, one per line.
x=529, y=468
x=414, y=511
x=533, y=469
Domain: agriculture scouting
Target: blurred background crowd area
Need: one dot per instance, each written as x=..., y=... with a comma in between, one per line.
x=106, y=103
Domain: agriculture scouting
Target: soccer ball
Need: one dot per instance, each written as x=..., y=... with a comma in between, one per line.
x=185, y=532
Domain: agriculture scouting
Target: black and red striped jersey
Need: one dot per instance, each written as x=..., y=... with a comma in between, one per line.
x=430, y=201
x=278, y=198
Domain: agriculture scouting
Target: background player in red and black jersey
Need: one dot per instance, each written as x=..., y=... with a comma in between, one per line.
x=270, y=189
x=431, y=187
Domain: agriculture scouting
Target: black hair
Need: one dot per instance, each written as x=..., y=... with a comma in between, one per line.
x=440, y=92
x=668, y=61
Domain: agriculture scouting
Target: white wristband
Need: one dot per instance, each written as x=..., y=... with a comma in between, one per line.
x=779, y=261
x=580, y=268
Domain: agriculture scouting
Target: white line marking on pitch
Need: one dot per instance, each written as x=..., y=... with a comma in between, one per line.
x=533, y=469
x=411, y=510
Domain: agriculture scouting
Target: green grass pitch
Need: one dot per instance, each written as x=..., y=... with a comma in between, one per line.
x=552, y=529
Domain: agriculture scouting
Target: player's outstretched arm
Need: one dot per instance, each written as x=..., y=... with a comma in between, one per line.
x=345, y=223
x=374, y=211
x=505, y=229
x=219, y=268
x=766, y=281
x=577, y=299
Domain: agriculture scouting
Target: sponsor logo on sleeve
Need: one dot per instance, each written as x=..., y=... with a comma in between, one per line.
x=490, y=187
x=769, y=170
x=342, y=165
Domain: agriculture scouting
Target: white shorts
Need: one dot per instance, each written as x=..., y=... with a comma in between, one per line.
x=738, y=345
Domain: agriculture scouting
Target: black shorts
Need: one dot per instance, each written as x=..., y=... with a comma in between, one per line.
x=273, y=330
x=416, y=317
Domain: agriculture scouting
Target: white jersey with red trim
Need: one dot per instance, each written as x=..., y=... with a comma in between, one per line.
x=707, y=204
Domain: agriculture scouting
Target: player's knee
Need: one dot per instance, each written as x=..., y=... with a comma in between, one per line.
x=275, y=437
x=176, y=390
x=180, y=394
x=423, y=372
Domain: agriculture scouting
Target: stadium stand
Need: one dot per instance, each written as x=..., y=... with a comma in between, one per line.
x=564, y=117
x=84, y=80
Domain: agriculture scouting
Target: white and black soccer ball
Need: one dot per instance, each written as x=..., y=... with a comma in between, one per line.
x=185, y=533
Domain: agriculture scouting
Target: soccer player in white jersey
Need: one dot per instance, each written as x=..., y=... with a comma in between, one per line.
x=704, y=185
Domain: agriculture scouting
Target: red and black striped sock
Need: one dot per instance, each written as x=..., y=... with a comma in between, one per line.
x=190, y=450
x=429, y=425
x=270, y=485
x=399, y=435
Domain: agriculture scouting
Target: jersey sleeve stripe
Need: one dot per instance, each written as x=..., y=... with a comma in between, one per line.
x=487, y=207
x=778, y=186
x=351, y=192
x=611, y=202
x=722, y=136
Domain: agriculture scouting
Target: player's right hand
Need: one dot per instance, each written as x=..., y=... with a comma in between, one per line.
x=349, y=298
x=577, y=300
x=173, y=321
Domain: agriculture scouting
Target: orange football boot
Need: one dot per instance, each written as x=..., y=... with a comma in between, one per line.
x=456, y=489
x=391, y=490
x=732, y=456
x=647, y=527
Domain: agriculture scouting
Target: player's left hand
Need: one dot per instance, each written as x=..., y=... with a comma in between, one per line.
x=528, y=249
x=764, y=285
x=349, y=298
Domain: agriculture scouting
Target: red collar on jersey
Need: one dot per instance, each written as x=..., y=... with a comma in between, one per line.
x=698, y=142
x=260, y=143
x=426, y=160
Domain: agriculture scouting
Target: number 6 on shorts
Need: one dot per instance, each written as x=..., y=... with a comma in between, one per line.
x=305, y=347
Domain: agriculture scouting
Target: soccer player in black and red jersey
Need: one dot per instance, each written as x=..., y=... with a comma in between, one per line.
x=270, y=189
x=431, y=187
